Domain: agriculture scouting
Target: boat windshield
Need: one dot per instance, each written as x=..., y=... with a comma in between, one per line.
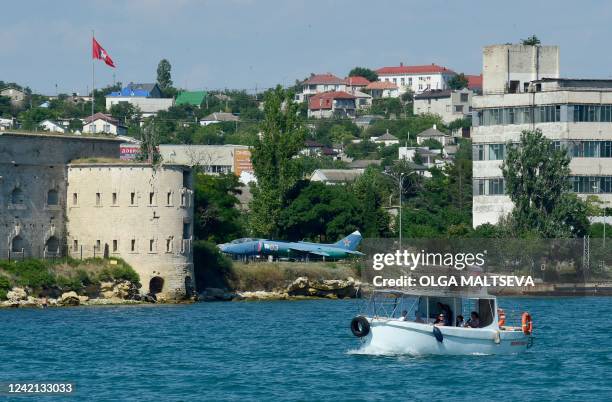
x=427, y=309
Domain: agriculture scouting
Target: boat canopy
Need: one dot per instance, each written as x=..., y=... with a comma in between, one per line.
x=463, y=293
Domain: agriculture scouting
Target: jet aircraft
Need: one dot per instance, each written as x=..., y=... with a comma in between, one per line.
x=247, y=247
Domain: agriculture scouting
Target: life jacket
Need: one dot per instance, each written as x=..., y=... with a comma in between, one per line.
x=527, y=323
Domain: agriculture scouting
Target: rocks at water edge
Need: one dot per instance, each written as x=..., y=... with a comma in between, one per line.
x=216, y=294
x=331, y=288
x=69, y=299
x=16, y=294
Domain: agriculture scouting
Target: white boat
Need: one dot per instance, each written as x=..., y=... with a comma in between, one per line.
x=402, y=322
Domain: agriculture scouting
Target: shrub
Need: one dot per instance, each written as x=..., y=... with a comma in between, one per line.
x=32, y=273
x=121, y=271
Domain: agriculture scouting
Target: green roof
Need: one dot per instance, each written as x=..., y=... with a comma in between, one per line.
x=194, y=98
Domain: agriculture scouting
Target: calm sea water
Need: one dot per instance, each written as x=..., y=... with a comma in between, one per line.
x=293, y=351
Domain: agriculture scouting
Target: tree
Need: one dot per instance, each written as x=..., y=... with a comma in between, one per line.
x=164, y=76
x=149, y=146
x=531, y=41
x=274, y=163
x=458, y=81
x=217, y=218
x=537, y=180
x=364, y=72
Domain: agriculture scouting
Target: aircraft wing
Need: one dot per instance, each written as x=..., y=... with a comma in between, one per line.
x=306, y=249
x=353, y=252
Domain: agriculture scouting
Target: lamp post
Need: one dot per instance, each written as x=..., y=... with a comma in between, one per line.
x=400, y=181
x=605, y=203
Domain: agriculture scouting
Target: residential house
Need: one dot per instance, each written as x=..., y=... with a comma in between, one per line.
x=421, y=158
x=336, y=176
x=52, y=126
x=433, y=134
x=356, y=84
x=475, y=83
x=218, y=117
x=193, y=98
x=6, y=124
x=416, y=79
x=331, y=104
x=448, y=104
x=362, y=100
x=383, y=89
x=364, y=163
x=103, y=123
x=319, y=83
x=16, y=96
x=146, y=97
x=386, y=139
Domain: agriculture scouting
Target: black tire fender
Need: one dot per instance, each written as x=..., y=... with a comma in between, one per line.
x=360, y=326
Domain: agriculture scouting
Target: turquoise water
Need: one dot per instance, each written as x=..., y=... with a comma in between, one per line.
x=293, y=351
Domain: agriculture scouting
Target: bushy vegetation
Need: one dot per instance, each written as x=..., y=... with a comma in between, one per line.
x=67, y=275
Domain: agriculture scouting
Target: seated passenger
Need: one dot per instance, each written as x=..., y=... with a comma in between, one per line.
x=448, y=314
x=474, y=321
x=404, y=316
x=440, y=321
x=459, y=322
x=418, y=318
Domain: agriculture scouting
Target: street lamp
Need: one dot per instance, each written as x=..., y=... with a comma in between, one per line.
x=400, y=181
x=605, y=203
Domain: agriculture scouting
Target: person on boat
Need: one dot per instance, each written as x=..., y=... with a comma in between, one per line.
x=447, y=312
x=440, y=321
x=474, y=321
x=404, y=316
x=459, y=322
x=418, y=318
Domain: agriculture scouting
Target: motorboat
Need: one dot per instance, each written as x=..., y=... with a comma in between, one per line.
x=426, y=322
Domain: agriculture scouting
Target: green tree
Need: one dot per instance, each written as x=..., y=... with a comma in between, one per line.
x=537, y=180
x=531, y=41
x=369, y=189
x=217, y=218
x=364, y=72
x=458, y=81
x=164, y=75
x=274, y=162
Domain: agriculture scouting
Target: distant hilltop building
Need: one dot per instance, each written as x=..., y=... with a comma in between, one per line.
x=147, y=97
x=522, y=91
x=416, y=79
x=71, y=195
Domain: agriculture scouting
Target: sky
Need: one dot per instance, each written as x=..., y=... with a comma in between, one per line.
x=248, y=44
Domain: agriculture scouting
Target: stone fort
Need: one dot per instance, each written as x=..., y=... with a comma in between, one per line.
x=67, y=195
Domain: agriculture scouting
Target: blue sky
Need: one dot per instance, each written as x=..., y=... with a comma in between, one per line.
x=249, y=43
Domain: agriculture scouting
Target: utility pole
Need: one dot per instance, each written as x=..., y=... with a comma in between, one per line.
x=400, y=181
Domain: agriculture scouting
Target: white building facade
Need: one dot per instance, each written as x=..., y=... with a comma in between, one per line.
x=416, y=79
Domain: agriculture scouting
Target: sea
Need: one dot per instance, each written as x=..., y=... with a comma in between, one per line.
x=292, y=351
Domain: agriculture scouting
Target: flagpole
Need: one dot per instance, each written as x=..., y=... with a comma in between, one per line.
x=93, y=82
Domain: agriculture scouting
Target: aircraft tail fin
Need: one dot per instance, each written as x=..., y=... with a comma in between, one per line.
x=350, y=242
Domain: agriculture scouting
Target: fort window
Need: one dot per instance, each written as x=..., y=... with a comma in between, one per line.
x=169, y=244
x=132, y=198
x=133, y=245
x=52, y=245
x=17, y=196
x=169, y=198
x=98, y=244
x=182, y=199
x=186, y=178
x=75, y=245
x=114, y=198
x=115, y=246
x=186, y=230
x=18, y=244
x=52, y=197
x=151, y=245
x=75, y=198
x=151, y=198
x=98, y=199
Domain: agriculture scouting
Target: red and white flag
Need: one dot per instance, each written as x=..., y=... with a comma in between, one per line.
x=100, y=53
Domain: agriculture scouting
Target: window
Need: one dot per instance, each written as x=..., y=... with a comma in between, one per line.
x=17, y=244
x=169, y=198
x=98, y=199
x=151, y=198
x=409, y=80
x=17, y=196
x=496, y=152
x=97, y=247
x=479, y=187
x=395, y=80
x=132, y=198
x=75, y=245
x=186, y=231
x=478, y=153
x=133, y=245
x=402, y=81
x=151, y=245
x=169, y=244
x=75, y=198
x=458, y=108
x=115, y=246
x=52, y=197
x=114, y=198
x=182, y=199
x=496, y=186
x=464, y=98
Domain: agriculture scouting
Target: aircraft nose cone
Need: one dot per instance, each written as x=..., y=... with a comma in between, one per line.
x=221, y=246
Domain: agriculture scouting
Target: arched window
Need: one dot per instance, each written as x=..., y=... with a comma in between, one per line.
x=18, y=244
x=52, y=197
x=17, y=196
x=52, y=245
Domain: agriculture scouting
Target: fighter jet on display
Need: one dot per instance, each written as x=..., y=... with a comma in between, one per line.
x=247, y=247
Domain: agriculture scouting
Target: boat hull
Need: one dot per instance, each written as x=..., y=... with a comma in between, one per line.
x=406, y=337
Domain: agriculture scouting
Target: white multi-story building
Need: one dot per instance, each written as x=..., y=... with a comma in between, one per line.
x=416, y=78
x=574, y=113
